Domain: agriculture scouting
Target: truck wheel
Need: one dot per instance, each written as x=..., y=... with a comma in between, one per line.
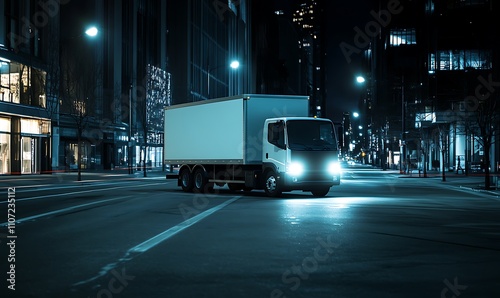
x=200, y=181
x=272, y=187
x=320, y=192
x=186, y=180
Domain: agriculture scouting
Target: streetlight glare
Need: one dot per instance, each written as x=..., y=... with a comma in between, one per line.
x=92, y=31
x=360, y=79
x=235, y=64
x=355, y=114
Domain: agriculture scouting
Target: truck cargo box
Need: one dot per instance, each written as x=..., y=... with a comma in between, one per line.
x=224, y=130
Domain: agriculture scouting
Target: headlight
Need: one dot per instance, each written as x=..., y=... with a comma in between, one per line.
x=295, y=169
x=334, y=168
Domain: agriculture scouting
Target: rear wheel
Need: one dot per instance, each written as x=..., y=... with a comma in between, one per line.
x=272, y=187
x=320, y=192
x=201, y=181
x=186, y=179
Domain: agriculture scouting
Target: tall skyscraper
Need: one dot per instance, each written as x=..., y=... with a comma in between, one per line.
x=309, y=16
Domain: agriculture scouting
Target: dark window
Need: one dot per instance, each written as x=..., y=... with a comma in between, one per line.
x=276, y=134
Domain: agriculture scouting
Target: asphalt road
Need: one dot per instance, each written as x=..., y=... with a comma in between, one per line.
x=376, y=235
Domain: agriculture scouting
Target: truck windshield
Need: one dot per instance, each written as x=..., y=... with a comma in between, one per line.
x=311, y=135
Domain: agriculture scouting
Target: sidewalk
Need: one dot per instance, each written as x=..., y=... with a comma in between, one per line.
x=473, y=181
x=88, y=176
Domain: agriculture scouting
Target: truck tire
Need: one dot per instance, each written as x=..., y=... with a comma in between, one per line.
x=200, y=181
x=186, y=179
x=320, y=192
x=271, y=185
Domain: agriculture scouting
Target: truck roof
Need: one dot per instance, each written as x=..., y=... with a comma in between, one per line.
x=300, y=118
x=244, y=96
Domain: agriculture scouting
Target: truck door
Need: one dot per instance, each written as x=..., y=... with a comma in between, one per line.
x=274, y=147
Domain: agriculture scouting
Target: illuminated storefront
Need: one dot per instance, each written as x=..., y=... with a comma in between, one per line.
x=24, y=145
x=24, y=121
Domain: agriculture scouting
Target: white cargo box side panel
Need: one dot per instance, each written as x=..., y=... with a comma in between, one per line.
x=211, y=133
x=260, y=107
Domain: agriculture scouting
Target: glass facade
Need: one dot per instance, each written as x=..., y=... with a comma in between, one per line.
x=460, y=60
x=27, y=140
x=22, y=84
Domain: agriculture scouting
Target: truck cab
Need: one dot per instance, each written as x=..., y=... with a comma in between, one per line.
x=299, y=153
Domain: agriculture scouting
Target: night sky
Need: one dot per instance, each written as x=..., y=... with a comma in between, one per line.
x=342, y=92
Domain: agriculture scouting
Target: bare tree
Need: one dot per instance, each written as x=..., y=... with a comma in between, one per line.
x=79, y=82
x=484, y=120
x=441, y=139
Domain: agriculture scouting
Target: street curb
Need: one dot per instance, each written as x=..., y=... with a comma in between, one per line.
x=480, y=190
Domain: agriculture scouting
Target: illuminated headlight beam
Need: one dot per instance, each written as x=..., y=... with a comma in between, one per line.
x=334, y=168
x=295, y=169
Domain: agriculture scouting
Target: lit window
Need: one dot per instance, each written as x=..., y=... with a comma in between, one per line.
x=432, y=63
x=79, y=107
x=400, y=37
x=461, y=60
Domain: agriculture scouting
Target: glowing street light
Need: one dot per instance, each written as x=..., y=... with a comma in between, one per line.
x=234, y=64
x=360, y=79
x=92, y=31
x=355, y=114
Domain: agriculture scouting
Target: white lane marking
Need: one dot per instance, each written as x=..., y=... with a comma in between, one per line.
x=80, y=192
x=152, y=242
x=63, y=210
x=155, y=240
x=33, y=188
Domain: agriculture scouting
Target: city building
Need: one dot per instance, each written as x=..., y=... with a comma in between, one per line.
x=309, y=17
x=112, y=84
x=27, y=33
x=208, y=49
x=426, y=97
x=276, y=53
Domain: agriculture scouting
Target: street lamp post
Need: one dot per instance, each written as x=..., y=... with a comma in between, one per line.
x=235, y=64
x=129, y=159
x=402, y=153
x=90, y=32
x=93, y=32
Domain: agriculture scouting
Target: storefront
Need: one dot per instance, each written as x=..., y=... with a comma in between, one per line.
x=24, y=145
x=25, y=127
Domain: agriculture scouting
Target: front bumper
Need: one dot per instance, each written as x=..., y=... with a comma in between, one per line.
x=310, y=180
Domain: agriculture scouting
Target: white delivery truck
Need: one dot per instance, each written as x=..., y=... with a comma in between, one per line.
x=251, y=141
